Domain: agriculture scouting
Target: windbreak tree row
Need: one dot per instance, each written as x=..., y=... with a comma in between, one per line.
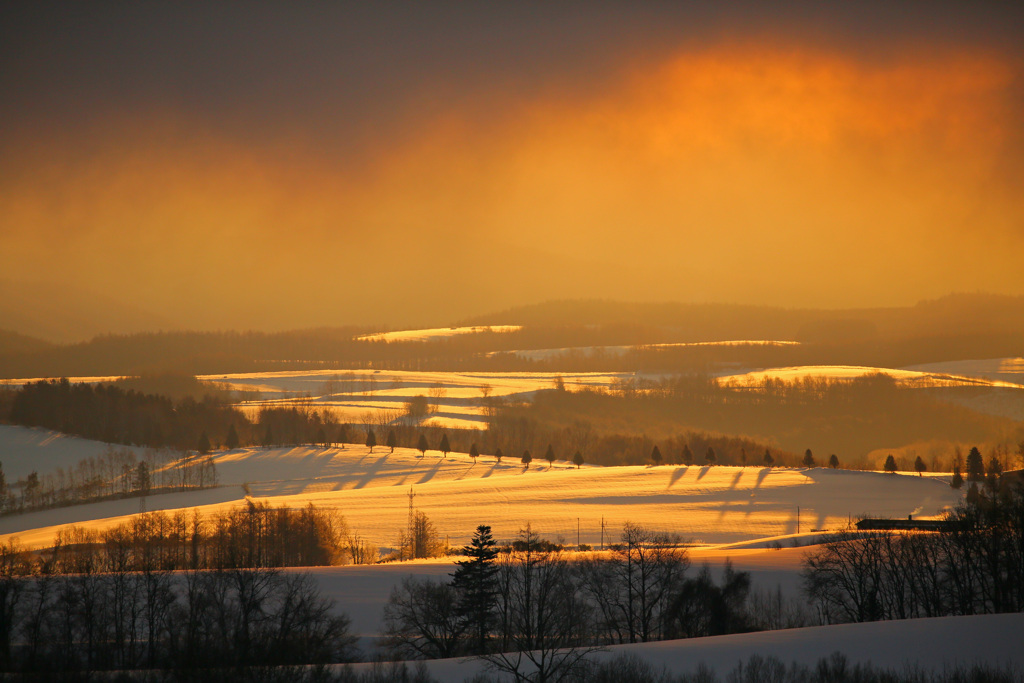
x=157, y=619
x=974, y=566
x=256, y=535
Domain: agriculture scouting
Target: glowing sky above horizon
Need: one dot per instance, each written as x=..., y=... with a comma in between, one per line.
x=293, y=165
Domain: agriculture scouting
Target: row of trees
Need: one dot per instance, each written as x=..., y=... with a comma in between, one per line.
x=974, y=566
x=257, y=535
x=157, y=619
x=117, y=473
x=531, y=606
x=105, y=412
x=109, y=413
x=855, y=416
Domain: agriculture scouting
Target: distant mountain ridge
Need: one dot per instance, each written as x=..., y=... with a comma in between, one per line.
x=950, y=315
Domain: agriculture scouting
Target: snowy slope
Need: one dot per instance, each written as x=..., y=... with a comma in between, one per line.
x=930, y=644
x=709, y=505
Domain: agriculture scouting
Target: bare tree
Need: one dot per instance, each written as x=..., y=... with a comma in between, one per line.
x=422, y=620
x=544, y=619
x=632, y=590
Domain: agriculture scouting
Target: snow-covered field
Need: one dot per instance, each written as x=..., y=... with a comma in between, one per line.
x=708, y=505
x=460, y=398
x=933, y=645
x=748, y=515
x=436, y=333
x=906, y=376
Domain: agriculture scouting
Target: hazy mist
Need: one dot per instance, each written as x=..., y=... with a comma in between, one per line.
x=272, y=167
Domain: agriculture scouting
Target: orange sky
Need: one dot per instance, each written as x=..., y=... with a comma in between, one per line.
x=746, y=169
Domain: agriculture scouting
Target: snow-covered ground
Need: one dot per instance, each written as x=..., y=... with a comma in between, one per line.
x=907, y=377
x=748, y=515
x=708, y=505
x=927, y=644
x=436, y=333
x=460, y=398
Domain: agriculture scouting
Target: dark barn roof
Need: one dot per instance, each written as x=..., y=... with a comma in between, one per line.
x=908, y=524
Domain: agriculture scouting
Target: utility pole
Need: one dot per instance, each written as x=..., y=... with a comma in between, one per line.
x=411, y=524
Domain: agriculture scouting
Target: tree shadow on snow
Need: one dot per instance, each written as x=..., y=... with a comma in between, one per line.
x=677, y=474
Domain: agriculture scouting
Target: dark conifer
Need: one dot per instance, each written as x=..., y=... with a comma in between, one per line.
x=833, y=461
x=958, y=480
x=550, y=456
x=527, y=459
x=392, y=440
x=808, y=458
x=687, y=455
x=476, y=582
x=919, y=465
x=474, y=452
x=656, y=455
x=768, y=459
x=445, y=447
x=498, y=455
x=204, y=444
x=710, y=456
x=371, y=439
x=890, y=464
x=422, y=446
x=975, y=465
x=232, y=439
x=577, y=459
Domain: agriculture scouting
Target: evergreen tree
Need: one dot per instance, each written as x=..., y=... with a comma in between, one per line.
x=577, y=459
x=392, y=440
x=958, y=480
x=371, y=439
x=422, y=446
x=476, y=583
x=268, y=437
x=445, y=447
x=808, y=458
x=919, y=466
x=550, y=456
x=343, y=435
x=498, y=455
x=204, y=444
x=232, y=441
x=743, y=457
x=768, y=459
x=321, y=437
x=975, y=465
x=710, y=456
x=890, y=464
x=474, y=452
x=656, y=455
x=687, y=455
x=833, y=461
x=527, y=459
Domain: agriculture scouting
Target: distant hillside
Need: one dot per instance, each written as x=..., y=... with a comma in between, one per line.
x=957, y=327
x=953, y=315
x=14, y=342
